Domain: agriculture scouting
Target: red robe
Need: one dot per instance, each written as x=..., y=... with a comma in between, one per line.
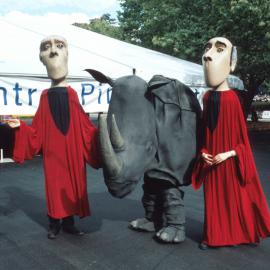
x=236, y=210
x=64, y=156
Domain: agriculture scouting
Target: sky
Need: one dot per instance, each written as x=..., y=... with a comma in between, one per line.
x=66, y=10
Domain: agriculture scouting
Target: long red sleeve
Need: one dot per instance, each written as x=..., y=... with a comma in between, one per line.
x=28, y=139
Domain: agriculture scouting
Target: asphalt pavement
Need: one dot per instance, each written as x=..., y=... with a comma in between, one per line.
x=108, y=243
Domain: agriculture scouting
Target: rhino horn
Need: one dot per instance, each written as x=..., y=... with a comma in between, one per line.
x=116, y=139
x=111, y=163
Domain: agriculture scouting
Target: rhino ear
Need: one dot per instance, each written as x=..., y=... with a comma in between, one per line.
x=100, y=77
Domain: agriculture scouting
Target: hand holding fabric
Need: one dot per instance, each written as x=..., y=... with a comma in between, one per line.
x=222, y=157
x=208, y=158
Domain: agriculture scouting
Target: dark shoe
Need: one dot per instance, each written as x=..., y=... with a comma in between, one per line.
x=203, y=246
x=254, y=245
x=52, y=232
x=54, y=227
x=72, y=230
x=69, y=227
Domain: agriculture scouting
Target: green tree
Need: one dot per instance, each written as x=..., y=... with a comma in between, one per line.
x=181, y=27
x=104, y=25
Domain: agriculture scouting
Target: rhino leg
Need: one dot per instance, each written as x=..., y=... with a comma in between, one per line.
x=151, y=201
x=173, y=206
x=171, y=234
x=142, y=224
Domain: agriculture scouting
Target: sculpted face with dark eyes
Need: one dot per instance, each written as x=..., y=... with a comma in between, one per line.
x=54, y=55
x=218, y=61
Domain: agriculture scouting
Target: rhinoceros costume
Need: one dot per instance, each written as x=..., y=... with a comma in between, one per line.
x=150, y=132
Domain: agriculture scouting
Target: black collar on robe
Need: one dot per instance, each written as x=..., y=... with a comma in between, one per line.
x=212, y=109
x=59, y=107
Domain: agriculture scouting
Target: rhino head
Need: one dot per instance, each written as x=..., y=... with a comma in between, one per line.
x=127, y=135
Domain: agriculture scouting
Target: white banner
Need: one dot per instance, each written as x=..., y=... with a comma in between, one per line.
x=20, y=96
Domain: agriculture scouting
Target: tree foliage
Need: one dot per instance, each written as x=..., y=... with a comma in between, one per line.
x=181, y=28
x=104, y=25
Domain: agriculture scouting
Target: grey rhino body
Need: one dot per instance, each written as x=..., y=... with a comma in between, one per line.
x=150, y=132
x=177, y=112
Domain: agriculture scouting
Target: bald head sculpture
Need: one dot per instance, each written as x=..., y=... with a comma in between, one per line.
x=219, y=59
x=54, y=55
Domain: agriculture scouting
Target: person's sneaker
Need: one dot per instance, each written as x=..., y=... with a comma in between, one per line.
x=203, y=246
x=72, y=230
x=256, y=244
x=52, y=232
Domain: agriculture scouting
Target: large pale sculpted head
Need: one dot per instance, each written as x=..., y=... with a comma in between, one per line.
x=219, y=59
x=54, y=55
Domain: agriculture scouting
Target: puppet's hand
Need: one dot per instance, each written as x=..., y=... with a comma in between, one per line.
x=208, y=159
x=13, y=123
x=222, y=157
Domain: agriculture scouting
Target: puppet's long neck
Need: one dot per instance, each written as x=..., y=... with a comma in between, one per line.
x=59, y=83
x=223, y=86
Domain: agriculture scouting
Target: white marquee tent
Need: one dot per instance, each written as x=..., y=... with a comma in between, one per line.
x=22, y=75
